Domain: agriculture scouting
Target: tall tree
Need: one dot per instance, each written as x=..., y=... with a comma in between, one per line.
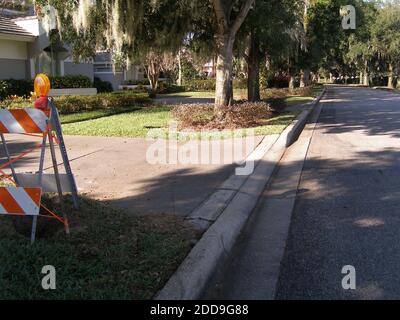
x=265, y=38
x=230, y=15
x=146, y=31
x=386, y=39
x=360, y=45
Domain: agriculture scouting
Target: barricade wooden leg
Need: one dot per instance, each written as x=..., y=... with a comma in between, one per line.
x=14, y=175
x=58, y=182
x=33, y=232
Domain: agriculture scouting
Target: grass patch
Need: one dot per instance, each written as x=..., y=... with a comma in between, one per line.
x=276, y=124
x=240, y=94
x=132, y=124
x=95, y=114
x=154, y=122
x=136, y=122
x=108, y=255
x=291, y=101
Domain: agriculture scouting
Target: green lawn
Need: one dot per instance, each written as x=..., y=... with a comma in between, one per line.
x=135, y=122
x=108, y=254
x=291, y=101
x=96, y=114
x=242, y=94
x=130, y=124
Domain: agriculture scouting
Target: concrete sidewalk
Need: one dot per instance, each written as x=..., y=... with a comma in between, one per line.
x=115, y=170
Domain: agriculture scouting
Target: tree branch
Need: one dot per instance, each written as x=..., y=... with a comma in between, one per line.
x=222, y=19
x=244, y=10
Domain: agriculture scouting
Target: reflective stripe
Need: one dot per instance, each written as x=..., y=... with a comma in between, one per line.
x=38, y=117
x=2, y=210
x=20, y=201
x=24, y=200
x=10, y=123
x=27, y=120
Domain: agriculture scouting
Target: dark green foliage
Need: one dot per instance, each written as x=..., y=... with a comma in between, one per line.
x=137, y=82
x=23, y=88
x=71, y=81
x=11, y=87
x=200, y=85
x=102, y=86
x=71, y=104
x=165, y=88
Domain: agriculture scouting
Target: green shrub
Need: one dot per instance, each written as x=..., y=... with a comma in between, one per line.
x=200, y=85
x=23, y=88
x=11, y=87
x=240, y=83
x=209, y=84
x=144, y=82
x=71, y=81
x=102, y=86
x=72, y=104
x=165, y=88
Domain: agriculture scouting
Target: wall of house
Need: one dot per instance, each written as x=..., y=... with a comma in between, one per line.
x=13, y=59
x=13, y=69
x=135, y=72
x=85, y=69
x=11, y=49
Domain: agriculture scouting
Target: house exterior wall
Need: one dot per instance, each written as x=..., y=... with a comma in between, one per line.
x=85, y=69
x=11, y=49
x=13, y=59
x=13, y=69
x=135, y=72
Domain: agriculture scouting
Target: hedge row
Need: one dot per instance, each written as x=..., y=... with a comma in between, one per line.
x=144, y=82
x=165, y=88
x=72, y=104
x=71, y=81
x=209, y=84
x=23, y=88
x=102, y=86
x=200, y=85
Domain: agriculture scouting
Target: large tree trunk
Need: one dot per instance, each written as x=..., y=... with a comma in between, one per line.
x=179, y=81
x=305, y=78
x=390, y=78
x=223, y=89
x=153, y=73
x=361, y=81
x=253, y=69
x=227, y=28
x=366, y=75
x=292, y=85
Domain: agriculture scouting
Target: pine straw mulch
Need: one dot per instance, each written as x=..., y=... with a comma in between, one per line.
x=242, y=114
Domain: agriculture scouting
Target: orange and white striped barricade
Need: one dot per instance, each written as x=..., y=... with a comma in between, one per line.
x=26, y=201
x=20, y=201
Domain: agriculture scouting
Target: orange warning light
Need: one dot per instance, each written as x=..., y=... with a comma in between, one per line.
x=42, y=85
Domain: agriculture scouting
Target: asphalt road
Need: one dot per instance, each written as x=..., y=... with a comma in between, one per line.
x=348, y=205
x=346, y=212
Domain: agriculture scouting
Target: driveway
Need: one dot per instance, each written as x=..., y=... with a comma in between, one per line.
x=116, y=170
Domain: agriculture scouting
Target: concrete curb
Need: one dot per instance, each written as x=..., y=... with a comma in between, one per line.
x=231, y=209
